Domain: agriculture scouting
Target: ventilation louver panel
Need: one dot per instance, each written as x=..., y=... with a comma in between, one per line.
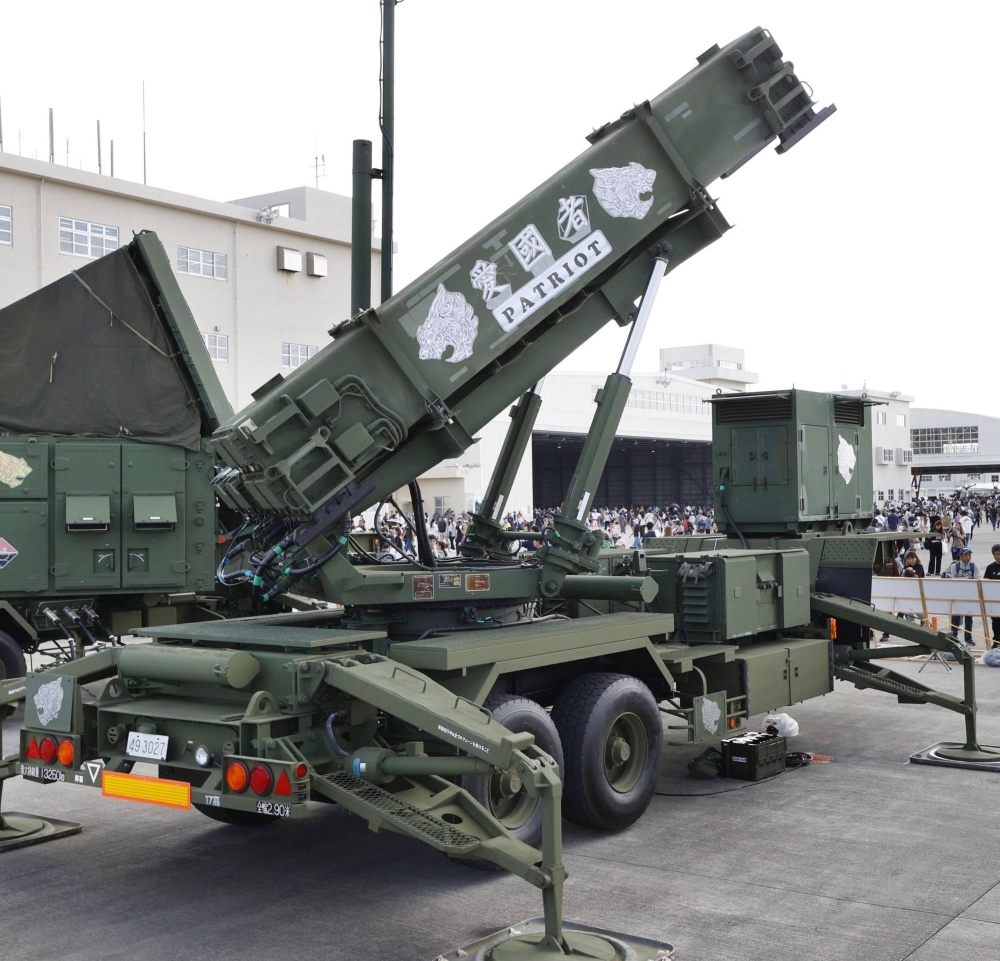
x=849, y=413
x=753, y=409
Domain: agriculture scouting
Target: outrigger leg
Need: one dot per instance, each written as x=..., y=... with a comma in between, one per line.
x=855, y=665
x=443, y=815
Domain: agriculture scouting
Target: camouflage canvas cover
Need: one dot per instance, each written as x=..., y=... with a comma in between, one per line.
x=88, y=356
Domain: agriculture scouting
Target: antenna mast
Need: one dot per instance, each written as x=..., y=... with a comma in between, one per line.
x=319, y=164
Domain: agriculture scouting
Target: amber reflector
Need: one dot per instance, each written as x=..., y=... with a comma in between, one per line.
x=237, y=776
x=66, y=753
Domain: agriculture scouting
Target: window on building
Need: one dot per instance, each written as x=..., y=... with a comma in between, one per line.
x=944, y=477
x=6, y=225
x=881, y=417
x=944, y=440
x=907, y=456
x=202, y=263
x=218, y=346
x=686, y=364
x=901, y=420
x=729, y=365
x=892, y=493
x=974, y=477
x=880, y=496
x=295, y=355
x=438, y=505
x=84, y=239
x=662, y=400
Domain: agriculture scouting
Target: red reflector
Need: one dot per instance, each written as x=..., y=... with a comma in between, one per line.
x=47, y=749
x=32, y=749
x=261, y=779
x=301, y=771
x=284, y=786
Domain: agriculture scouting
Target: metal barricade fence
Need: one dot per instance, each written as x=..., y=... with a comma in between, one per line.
x=941, y=598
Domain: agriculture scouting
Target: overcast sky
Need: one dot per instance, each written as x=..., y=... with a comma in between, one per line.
x=866, y=254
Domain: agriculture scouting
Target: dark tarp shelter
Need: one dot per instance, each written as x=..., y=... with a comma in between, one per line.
x=99, y=353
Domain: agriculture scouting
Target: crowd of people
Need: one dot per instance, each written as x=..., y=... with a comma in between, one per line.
x=622, y=528
x=954, y=521
x=943, y=527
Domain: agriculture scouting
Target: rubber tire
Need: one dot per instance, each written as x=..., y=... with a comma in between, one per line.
x=12, y=664
x=584, y=714
x=518, y=714
x=12, y=657
x=246, y=819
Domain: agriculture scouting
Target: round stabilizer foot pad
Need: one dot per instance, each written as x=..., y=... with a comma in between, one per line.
x=21, y=830
x=528, y=947
x=962, y=753
x=21, y=826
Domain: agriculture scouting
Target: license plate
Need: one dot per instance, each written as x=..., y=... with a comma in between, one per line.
x=150, y=746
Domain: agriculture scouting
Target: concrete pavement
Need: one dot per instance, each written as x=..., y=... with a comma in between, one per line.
x=868, y=858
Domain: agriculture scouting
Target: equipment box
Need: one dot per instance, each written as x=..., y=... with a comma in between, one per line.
x=753, y=757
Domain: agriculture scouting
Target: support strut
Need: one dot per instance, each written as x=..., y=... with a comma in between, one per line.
x=569, y=544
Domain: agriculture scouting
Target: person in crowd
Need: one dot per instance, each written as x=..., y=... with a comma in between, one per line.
x=992, y=573
x=956, y=537
x=935, y=546
x=911, y=565
x=963, y=567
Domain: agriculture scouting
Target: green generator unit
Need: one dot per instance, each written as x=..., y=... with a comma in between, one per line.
x=790, y=460
x=731, y=594
x=108, y=518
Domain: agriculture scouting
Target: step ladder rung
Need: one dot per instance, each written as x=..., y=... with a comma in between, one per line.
x=363, y=796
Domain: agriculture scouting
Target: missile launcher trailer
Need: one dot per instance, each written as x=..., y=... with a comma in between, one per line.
x=107, y=510
x=457, y=701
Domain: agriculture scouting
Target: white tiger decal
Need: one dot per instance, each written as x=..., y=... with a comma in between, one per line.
x=618, y=189
x=450, y=323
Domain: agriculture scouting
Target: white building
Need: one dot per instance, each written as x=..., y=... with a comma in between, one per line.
x=714, y=364
x=263, y=288
x=953, y=450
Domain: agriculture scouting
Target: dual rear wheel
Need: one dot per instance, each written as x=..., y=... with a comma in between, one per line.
x=606, y=735
x=604, y=732
x=12, y=664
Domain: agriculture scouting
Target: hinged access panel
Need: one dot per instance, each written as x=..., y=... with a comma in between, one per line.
x=86, y=548
x=153, y=516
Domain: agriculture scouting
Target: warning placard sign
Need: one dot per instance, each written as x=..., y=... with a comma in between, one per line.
x=7, y=553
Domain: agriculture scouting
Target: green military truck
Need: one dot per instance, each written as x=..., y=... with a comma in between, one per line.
x=457, y=701
x=108, y=519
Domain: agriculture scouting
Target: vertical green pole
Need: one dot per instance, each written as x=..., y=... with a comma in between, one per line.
x=361, y=228
x=387, y=123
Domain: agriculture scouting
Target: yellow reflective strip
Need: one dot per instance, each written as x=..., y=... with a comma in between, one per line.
x=150, y=790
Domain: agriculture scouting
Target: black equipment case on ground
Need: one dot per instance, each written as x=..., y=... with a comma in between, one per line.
x=753, y=757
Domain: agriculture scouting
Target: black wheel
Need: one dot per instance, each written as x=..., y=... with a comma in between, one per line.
x=12, y=657
x=12, y=664
x=247, y=819
x=613, y=738
x=508, y=803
